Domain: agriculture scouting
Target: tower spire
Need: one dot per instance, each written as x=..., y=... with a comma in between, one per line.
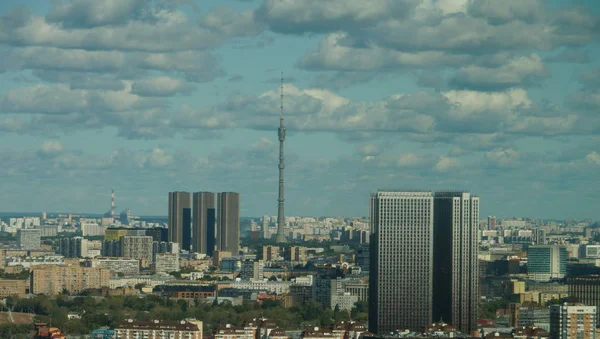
x=280, y=238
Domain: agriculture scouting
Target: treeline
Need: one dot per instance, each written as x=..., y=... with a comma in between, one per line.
x=110, y=311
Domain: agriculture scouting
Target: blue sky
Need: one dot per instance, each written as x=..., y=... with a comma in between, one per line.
x=500, y=98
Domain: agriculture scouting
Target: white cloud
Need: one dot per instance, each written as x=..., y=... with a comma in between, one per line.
x=90, y=13
x=516, y=72
x=160, y=86
x=408, y=160
x=50, y=147
x=160, y=31
x=502, y=157
x=593, y=158
x=444, y=164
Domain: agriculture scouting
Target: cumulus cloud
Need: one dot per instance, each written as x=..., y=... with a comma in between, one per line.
x=408, y=160
x=517, y=72
x=501, y=157
x=444, y=164
x=298, y=17
x=160, y=87
x=160, y=30
x=51, y=147
x=593, y=158
x=60, y=99
x=89, y=13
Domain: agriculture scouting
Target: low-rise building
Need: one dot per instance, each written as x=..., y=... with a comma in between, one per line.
x=117, y=265
x=188, y=329
x=234, y=332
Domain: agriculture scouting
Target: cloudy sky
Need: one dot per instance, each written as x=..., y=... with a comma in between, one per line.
x=501, y=98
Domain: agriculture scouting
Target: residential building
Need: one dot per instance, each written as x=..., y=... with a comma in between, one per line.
x=29, y=239
x=92, y=229
x=228, y=221
x=167, y=262
x=124, y=266
x=585, y=289
x=297, y=255
x=234, y=332
x=401, y=270
x=252, y=270
x=159, y=329
x=573, y=321
x=111, y=248
x=52, y=280
x=343, y=301
x=204, y=216
x=75, y=247
x=546, y=262
x=180, y=219
x=13, y=287
x=48, y=231
x=491, y=224
x=137, y=247
x=270, y=253
x=455, y=262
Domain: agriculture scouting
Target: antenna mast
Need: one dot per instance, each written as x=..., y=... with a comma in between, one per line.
x=281, y=238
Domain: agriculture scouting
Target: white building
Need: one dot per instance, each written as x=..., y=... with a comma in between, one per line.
x=29, y=239
x=167, y=262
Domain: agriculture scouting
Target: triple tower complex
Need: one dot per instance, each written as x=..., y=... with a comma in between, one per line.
x=207, y=223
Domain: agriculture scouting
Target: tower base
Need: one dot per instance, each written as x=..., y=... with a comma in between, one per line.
x=280, y=238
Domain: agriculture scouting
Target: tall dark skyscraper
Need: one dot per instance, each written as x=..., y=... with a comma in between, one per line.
x=180, y=219
x=401, y=270
x=204, y=215
x=228, y=222
x=423, y=260
x=455, y=263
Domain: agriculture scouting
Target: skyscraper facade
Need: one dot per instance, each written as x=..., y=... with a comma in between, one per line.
x=546, y=262
x=401, y=270
x=180, y=219
x=204, y=216
x=455, y=264
x=228, y=221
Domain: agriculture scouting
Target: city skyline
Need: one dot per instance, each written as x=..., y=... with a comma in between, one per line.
x=148, y=97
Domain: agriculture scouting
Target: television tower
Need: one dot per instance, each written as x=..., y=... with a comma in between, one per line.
x=280, y=238
x=112, y=204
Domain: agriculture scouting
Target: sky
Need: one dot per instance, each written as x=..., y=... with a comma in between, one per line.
x=499, y=98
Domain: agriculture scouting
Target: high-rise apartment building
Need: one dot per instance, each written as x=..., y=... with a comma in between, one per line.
x=546, y=262
x=270, y=253
x=167, y=262
x=52, y=280
x=585, y=289
x=180, y=219
x=455, y=263
x=76, y=247
x=401, y=270
x=491, y=223
x=297, y=255
x=573, y=321
x=228, y=221
x=252, y=270
x=29, y=239
x=204, y=217
x=136, y=247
